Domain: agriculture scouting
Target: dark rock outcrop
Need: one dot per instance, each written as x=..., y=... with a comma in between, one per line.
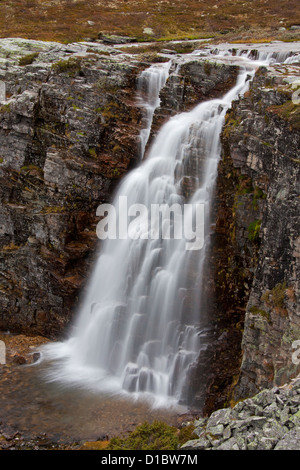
x=252, y=278
x=264, y=147
x=255, y=254
x=190, y=83
x=68, y=132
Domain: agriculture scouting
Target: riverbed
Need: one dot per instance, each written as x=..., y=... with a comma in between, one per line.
x=32, y=409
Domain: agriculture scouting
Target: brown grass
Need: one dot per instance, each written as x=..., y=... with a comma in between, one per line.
x=67, y=20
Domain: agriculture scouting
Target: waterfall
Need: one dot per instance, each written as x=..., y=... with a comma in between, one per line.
x=261, y=53
x=150, y=82
x=137, y=332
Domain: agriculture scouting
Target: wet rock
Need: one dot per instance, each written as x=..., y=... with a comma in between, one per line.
x=68, y=132
x=36, y=357
x=254, y=267
x=195, y=81
x=258, y=145
x=20, y=360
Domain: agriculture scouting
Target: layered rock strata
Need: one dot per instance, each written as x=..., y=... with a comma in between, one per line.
x=68, y=132
x=256, y=241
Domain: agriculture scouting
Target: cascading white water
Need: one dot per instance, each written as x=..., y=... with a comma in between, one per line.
x=137, y=331
x=150, y=82
x=261, y=53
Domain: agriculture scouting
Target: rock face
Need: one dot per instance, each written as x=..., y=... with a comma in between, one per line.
x=268, y=421
x=253, y=275
x=191, y=83
x=256, y=251
x=68, y=132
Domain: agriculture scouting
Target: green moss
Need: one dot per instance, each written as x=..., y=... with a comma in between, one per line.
x=111, y=111
x=5, y=108
x=92, y=152
x=70, y=67
x=95, y=52
x=278, y=294
x=28, y=59
x=116, y=148
x=267, y=119
x=30, y=167
x=253, y=230
x=257, y=311
x=245, y=186
x=258, y=194
x=187, y=433
x=115, y=173
x=266, y=296
x=155, y=436
x=32, y=171
x=275, y=296
x=230, y=125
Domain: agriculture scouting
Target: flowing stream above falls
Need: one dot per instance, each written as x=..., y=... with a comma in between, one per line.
x=137, y=333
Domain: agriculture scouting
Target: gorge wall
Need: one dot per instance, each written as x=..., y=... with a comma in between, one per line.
x=255, y=247
x=261, y=142
x=69, y=131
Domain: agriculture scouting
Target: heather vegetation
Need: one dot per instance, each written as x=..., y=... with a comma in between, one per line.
x=70, y=20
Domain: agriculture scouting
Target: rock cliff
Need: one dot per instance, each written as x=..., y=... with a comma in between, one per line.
x=255, y=245
x=262, y=141
x=68, y=132
x=252, y=279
